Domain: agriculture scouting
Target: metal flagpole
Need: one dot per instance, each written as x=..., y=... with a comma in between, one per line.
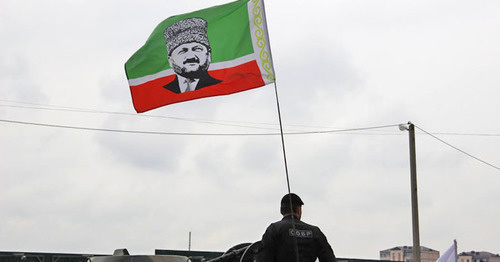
x=283, y=146
x=286, y=170
x=456, y=250
x=282, y=139
x=278, y=107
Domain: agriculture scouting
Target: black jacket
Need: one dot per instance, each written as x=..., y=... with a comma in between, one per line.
x=279, y=242
x=205, y=80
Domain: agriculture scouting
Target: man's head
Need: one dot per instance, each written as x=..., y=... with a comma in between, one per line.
x=188, y=48
x=296, y=207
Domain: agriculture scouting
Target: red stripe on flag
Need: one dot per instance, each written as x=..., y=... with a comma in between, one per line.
x=152, y=94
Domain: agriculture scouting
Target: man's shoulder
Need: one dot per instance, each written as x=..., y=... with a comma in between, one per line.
x=173, y=86
x=207, y=80
x=276, y=224
x=309, y=226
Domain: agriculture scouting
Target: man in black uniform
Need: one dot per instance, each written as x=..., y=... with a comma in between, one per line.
x=285, y=239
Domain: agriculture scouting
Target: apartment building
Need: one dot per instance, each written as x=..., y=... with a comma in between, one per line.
x=405, y=253
x=478, y=257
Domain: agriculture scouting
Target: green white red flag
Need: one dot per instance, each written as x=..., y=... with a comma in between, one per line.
x=236, y=35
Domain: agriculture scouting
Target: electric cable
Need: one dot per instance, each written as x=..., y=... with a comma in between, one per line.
x=193, y=134
x=458, y=149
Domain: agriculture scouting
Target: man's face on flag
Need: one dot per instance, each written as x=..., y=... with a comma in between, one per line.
x=190, y=60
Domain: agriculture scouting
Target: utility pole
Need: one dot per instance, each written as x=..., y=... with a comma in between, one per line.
x=189, y=241
x=414, y=195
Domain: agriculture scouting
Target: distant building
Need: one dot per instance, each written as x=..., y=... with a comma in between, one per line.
x=405, y=253
x=478, y=257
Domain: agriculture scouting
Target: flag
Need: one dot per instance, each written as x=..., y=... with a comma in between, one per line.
x=450, y=255
x=215, y=51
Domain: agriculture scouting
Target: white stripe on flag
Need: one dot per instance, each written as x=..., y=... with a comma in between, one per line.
x=215, y=66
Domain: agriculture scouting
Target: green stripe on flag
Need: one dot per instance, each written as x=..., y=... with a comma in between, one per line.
x=224, y=27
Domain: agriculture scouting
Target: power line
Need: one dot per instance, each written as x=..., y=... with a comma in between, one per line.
x=339, y=131
x=206, y=121
x=464, y=134
x=194, y=134
x=214, y=122
x=458, y=149
x=81, y=110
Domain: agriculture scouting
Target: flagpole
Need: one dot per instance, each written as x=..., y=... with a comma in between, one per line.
x=456, y=250
x=282, y=141
x=277, y=105
x=282, y=137
x=286, y=170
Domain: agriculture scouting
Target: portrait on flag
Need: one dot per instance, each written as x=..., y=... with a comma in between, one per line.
x=189, y=54
x=215, y=51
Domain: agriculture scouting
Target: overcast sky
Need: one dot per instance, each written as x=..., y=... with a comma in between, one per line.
x=339, y=65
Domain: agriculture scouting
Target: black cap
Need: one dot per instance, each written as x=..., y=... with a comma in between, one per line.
x=296, y=201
